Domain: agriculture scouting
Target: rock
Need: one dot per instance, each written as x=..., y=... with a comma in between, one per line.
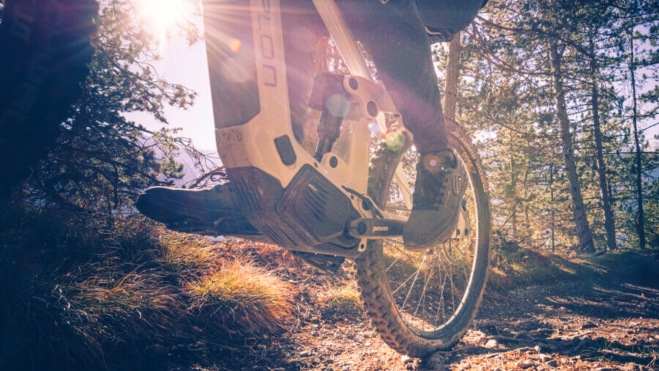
x=296, y=365
x=525, y=364
x=491, y=344
x=435, y=361
x=552, y=363
x=305, y=353
x=406, y=359
x=544, y=357
x=588, y=325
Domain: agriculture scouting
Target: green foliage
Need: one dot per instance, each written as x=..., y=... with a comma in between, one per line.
x=507, y=102
x=102, y=159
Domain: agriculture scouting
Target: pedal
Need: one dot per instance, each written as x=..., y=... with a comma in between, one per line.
x=376, y=228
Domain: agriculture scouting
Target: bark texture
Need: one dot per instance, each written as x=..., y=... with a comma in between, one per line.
x=452, y=77
x=578, y=208
x=609, y=221
x=640, y=225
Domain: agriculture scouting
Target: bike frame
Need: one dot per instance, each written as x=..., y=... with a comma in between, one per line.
x=270, y=172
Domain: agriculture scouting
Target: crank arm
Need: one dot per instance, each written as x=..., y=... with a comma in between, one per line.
x=376, y=228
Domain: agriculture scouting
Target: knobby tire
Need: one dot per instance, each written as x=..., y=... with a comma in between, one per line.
x=371, y=271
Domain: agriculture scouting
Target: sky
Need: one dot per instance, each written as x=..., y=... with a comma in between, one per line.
x=185, y=65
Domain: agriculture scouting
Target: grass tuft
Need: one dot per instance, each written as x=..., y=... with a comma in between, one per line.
x=185, y=252
x=343, y=300
x=113, y=292
x=513, y=266
x=244, y=298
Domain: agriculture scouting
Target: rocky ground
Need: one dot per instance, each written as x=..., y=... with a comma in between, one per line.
x=606, y=318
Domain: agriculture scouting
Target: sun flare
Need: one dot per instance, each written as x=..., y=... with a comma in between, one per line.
x=162, y=15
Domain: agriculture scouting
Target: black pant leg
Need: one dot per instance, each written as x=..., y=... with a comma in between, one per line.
x=396, y=38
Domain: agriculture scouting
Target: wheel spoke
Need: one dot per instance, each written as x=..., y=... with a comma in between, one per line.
x=413, y=282
x=434, y=290
x=425, y=287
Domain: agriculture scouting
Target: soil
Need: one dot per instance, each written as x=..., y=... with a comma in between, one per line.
x=603, y=314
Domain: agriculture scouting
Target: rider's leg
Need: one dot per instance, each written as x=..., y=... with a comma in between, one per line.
x=397, y=40
x=445, y=18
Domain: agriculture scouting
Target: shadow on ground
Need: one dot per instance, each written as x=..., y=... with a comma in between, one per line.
x=606, y=317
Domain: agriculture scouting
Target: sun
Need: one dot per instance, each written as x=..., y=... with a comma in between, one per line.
x=162, y=15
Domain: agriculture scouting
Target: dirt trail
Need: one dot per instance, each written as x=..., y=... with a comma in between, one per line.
x=606, y=317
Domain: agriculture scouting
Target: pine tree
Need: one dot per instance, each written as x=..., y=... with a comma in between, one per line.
x=103, y=160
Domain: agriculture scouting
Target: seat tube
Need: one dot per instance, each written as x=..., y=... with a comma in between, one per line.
x=343, y=37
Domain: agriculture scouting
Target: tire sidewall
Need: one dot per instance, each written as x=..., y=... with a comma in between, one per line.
x=376, y=295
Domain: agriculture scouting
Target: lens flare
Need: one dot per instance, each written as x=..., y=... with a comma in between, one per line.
x=337, y=105
x=162, y=15
x=394, y=140
x=235, y=45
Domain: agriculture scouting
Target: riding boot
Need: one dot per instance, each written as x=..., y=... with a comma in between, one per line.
x=210, y=212
x=395, y=36
x=441, y=181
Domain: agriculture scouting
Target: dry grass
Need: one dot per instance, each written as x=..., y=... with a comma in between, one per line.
x=115, y=293
x=513, y=266
x=185, y=252
x=343, y=299
x=244, y=297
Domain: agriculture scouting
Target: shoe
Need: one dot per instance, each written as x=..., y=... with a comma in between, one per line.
x=209, y=212
x=441, y=181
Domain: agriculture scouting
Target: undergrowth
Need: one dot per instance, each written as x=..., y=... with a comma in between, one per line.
x=88, y=292
x=344, y=299
x=513, y=266
x=243, y=297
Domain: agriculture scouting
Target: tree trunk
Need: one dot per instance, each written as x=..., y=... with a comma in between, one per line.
x=452, y=77
x=609, y=222
x=513, y=188
x=551, y=195
x=578, y=209
x=640, y=225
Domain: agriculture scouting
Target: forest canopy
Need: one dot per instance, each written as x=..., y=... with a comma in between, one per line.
x=562, y=96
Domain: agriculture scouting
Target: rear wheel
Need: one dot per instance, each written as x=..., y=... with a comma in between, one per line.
x=421, y=302
x=44, y=51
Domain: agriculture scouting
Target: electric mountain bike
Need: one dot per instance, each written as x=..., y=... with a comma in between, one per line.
x=350, y=198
